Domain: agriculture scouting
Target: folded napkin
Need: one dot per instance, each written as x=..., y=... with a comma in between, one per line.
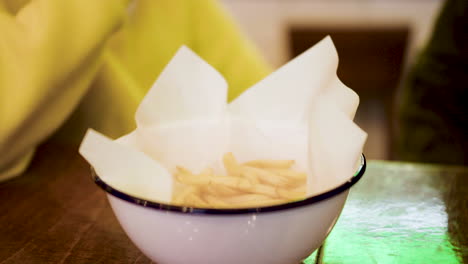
x=301, y=111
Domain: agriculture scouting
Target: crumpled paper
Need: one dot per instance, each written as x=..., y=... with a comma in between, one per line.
x=302, y=111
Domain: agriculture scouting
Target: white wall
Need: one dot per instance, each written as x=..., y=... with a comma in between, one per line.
x=266, y=21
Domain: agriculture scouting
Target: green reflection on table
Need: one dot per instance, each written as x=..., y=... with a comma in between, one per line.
x=396, y=214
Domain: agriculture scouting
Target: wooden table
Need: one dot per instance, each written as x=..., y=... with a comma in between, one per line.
x=398, y=213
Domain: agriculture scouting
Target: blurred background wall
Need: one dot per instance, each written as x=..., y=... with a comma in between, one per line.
x=376, y=41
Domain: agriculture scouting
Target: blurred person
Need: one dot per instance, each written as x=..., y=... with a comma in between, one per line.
x=433, y=114
x=69, y=65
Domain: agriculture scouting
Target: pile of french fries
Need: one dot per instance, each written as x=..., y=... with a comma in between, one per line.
x=251, y=184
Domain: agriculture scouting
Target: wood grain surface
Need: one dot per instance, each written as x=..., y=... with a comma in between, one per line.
x=54, y=213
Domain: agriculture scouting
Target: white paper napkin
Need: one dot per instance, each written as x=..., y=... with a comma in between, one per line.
x=302, y=111
x=127, y=169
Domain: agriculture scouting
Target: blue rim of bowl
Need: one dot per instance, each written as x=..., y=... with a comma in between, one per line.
x=213, y=211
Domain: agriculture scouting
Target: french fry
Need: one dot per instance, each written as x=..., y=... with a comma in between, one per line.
x=194, y=200
x=231, y=164
x=291, y=174
x=252, y=200
x=192, y=180
x=266, y=190
x=301, y=188
x=250, y=175
x=215, y=201
x=260, y=203
x=246, y=198
x=265, y=176
x=184, y=176
x=251, y=184
x=179, y=198
x=270, y=164
x=207, y=172
x=233, y=182
x=290, y=194
x=220, y=190
x=280, y=193
x=295, y=183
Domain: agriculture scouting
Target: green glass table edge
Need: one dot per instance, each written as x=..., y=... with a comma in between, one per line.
x=447, y=254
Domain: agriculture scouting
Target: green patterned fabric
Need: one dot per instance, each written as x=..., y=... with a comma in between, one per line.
x=433, y=113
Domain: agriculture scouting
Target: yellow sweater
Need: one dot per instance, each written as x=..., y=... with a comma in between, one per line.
x=66, y=65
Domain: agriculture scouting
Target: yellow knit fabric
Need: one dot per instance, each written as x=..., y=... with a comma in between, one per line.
x=66, y=65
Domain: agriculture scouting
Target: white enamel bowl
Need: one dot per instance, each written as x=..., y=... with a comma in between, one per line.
x=279, y=234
